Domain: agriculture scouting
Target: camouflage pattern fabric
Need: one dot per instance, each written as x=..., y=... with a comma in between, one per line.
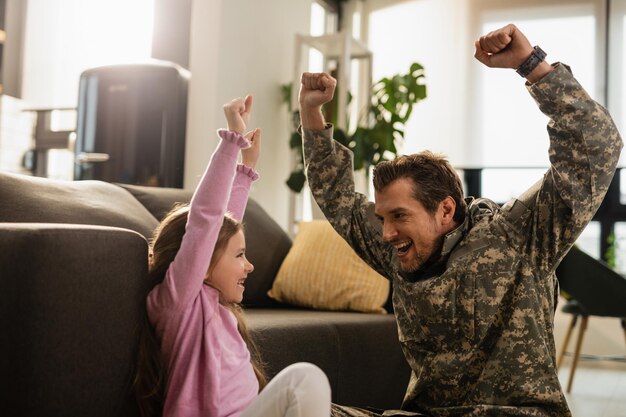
x=477, y=327
x=341, y=411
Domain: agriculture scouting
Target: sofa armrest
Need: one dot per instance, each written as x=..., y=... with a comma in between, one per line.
x=71, y=298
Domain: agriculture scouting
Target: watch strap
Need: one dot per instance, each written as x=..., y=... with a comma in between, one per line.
x=536, y=58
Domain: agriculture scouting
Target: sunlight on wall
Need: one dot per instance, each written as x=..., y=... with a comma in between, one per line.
x=318, y=28
x=318, y=19
x=622, y=121
x=316, y=64
x=412, y=32
x=65, y=37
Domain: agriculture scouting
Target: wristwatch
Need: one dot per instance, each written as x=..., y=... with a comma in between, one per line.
x=531, y=62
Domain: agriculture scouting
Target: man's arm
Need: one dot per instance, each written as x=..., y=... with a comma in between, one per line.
x=584, y=150
x=329, y=170
x=315, y=91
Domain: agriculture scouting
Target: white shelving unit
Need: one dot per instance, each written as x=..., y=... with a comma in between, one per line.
x=338, y=50
x=337, y=47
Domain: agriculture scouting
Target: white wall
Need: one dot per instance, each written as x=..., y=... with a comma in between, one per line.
x=241, y=47
x=14, y=18
x=402, y=32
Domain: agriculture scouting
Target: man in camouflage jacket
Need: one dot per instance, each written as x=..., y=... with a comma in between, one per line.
x=474, y=290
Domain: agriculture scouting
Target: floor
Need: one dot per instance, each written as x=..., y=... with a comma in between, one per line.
x=599, y=387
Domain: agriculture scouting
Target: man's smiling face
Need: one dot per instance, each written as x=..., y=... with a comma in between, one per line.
x=415, y=233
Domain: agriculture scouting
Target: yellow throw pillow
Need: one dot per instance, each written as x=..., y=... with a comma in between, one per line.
x=321, y=271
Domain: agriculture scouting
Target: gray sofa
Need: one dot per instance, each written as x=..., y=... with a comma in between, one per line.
x=73, y=268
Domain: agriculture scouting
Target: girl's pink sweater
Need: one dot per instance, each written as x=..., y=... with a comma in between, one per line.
x=208, y=363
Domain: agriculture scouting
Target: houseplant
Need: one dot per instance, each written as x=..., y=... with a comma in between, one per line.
x=380, y=127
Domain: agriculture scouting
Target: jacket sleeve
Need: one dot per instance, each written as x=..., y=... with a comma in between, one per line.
x=185, y=275
x=328, y=166
x=244, y=177
x=584, y=150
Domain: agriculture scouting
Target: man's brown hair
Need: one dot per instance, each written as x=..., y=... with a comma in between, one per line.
x=433, y=178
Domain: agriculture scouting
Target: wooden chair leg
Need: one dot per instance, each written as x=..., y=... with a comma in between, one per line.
x=579, y=342
x=568, y=334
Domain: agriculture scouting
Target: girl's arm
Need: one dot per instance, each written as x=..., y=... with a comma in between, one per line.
x=186, y=274
x=245, y=175
x=214, y=194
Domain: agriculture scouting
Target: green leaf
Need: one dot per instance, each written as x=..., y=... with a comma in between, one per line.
x=383, y=121
x=295, y=141
x=340, y=136
x=415, y=67
x=296, y=181
x=359, y=138
x=285, y=92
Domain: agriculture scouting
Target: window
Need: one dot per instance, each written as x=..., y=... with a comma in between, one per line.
x=589, y=240
x=65, y=37
x=620, y=247
x=512, y=130
x=502, y=184
x=322, y=22
x=318, y=28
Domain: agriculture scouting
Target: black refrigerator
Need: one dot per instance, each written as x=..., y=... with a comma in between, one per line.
x=131, y=122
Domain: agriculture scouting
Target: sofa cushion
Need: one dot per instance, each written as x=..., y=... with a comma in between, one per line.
x=267, y=244
x=41, y=200
x=360, y=353
x=159, y=201
x=322, y=272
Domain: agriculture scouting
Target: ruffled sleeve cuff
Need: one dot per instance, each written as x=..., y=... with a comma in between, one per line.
x=234, y=138
x=247, y=171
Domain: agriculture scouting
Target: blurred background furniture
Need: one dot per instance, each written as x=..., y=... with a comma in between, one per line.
x=131, y=124
x=45, y=139
x=593, y=289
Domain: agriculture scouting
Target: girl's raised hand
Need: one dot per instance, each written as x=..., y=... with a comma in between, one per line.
x=237, y=113
x=250, y=156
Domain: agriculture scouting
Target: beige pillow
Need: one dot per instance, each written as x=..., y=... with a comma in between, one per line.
x=321, y=271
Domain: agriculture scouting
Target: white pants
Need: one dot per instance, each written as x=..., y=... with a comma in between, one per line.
x=299, y=390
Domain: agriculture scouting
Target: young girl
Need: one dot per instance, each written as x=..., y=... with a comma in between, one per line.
x=207, y=365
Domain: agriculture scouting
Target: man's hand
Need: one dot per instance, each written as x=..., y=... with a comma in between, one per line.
x=507, y=47
x=237, y=113
x=250, y=156
x=316, y=89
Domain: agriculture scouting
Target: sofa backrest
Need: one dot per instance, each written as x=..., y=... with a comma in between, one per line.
x=41, y=200
x=139, y=208
x=267, y=243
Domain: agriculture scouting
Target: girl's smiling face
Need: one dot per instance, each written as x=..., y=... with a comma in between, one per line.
x=231, y=270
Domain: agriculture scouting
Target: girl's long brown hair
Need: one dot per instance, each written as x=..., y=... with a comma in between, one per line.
x=151, y=373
